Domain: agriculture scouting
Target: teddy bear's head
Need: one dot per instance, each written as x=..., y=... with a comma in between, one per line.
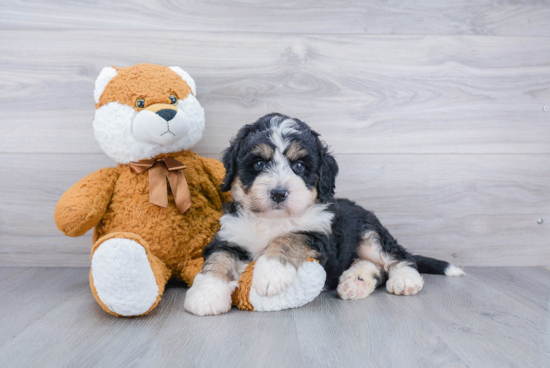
x=145, y=110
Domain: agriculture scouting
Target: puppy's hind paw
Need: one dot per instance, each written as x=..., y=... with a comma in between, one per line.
x=405, y=281
x=356, y=283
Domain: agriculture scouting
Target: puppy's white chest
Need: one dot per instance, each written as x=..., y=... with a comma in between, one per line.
x=254, y=233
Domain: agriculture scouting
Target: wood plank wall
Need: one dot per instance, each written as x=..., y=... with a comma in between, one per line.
x=435, y=109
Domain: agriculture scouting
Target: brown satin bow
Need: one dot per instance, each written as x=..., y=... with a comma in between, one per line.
x=159, y=170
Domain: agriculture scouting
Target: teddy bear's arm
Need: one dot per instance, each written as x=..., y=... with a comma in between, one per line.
x=216, y=172
x=83, y=205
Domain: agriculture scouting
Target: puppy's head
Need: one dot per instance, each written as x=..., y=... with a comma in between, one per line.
x=278, y=167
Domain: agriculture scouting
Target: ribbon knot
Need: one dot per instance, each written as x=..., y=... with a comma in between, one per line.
x=159, y=170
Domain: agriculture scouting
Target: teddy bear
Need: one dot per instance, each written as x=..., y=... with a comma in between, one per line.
x=154, y=212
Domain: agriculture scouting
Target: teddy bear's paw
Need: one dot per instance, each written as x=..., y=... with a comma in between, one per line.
x=404, y=281
x=123, y=277
x=271, y=277
x=209, y=296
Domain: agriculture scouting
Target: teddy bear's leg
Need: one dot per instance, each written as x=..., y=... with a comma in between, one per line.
x=126, y=278
x=308, y=284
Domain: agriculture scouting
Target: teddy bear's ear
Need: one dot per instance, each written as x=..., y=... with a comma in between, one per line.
x=102, y=80
x=186, y=77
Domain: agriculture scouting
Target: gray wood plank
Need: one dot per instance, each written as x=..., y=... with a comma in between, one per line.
x=453, y=322
x=88, y=337
x=485, y=17
x=8, y=272
x=484, y=326
x=364, y=94
x=529, y=285
x=379, y=331
x=236, y=339
x=468, y=209
x=29, y=295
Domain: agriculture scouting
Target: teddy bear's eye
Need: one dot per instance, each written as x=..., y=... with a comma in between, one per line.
x=173, y=99
x=140, y=103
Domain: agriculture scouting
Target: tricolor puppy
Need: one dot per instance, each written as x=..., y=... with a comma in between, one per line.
x=282, y=177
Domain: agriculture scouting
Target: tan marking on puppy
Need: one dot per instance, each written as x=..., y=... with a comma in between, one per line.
x=295, y=151
x=290, y=248
x=370, y=249
x=263, y=150
x=133, y=83
x=221, y=265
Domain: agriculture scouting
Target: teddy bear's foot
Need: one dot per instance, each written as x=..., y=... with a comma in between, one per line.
x=209, y=295
x=307, y=285
x=123, y=276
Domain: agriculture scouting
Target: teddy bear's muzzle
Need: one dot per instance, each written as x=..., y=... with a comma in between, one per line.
x=161, y=125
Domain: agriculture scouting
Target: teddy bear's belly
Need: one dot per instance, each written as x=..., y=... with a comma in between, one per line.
x=174, y=238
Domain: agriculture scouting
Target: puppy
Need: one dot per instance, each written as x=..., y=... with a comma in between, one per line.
x=282, y=178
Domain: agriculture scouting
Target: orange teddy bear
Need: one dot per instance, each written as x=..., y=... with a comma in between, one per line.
x=156, y=211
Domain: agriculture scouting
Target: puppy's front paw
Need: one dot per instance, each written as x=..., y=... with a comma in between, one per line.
x=209, y=295
x=271, y=277
x=404, y=281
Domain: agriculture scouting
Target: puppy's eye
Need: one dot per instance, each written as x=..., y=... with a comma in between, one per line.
x=173, y=99
x=140, y=104
x=298, y=167
x=259, y=165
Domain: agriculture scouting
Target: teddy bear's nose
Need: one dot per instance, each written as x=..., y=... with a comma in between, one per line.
x=167, y=114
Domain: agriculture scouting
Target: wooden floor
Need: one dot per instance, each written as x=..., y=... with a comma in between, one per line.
x=493, y=317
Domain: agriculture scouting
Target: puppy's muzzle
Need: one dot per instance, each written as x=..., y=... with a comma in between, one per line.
x=278, y=195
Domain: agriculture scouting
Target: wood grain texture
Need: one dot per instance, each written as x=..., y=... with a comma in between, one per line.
x=452, y=322
x=478, y=17
x=468, y=209
x=37, y=291
x=529, y=285
x=392, y=94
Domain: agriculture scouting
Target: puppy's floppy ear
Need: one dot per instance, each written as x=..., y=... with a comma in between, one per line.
x=230, y=156
x=327, y=176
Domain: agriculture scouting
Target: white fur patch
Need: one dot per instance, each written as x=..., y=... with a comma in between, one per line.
x=271, y=277
x=404, y=280
x=113, y=129
x=151, y=128
x=307, y=285
x=186, y=77
x=209, y=295
x=452, y=270
x=254, y=232
x=123, y=277
x=102, y=81
x=279, y=129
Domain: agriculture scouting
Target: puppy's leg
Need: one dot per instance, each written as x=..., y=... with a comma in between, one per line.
x=360, y=280
x=276, y=268
x=213, y=286
x=403, y=277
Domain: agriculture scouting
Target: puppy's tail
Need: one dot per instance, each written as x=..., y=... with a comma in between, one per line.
x=436, y=267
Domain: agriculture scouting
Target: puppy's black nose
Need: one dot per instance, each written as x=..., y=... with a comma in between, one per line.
x=167, y=114
x=278, y=195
